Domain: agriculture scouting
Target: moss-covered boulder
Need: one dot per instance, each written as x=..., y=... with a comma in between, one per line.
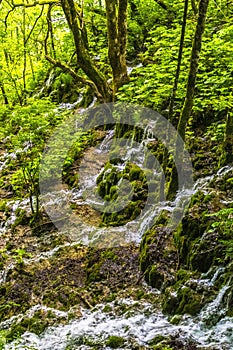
x=117, y=186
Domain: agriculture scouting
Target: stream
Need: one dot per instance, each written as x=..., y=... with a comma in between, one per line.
x=136, y=322
x=140, y=323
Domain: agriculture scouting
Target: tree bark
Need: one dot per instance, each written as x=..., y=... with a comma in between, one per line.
x=76, y=77
x=194, y=7
x=190, y=90
x=116, y=13
x=161, y=4
x=83, y=58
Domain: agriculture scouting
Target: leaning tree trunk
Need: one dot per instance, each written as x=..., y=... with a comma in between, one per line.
x=116, y=13
x=83, y=58
x=188, y=103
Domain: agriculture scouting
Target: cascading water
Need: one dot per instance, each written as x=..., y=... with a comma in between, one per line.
x=141, y=322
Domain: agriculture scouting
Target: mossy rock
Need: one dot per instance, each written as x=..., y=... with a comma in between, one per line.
x=157, y=340
x=128, y=186
x=158, y=254
x=114, y=342
x=196, y=247
x=156, y=277
x=182, y=301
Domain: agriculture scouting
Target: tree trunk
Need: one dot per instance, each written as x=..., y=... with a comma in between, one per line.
x=83, y=58
x=174, y=90
x=6, y=102
x=173, y=94
x=116, y=13
x=188, y=103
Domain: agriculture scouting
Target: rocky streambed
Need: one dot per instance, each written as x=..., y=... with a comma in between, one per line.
x=156, y=287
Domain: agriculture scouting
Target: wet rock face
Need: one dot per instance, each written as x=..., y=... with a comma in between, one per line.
x=158, y=260
x=173, y=261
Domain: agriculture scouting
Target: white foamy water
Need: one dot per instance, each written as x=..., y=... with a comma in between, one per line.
x=141, y=322
x=14, y=206
x=6, y=157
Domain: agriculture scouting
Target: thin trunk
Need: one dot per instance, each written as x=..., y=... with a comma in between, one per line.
x=173, y=94
x=6, y=102
x=194, y=6
x=174, y=90
x=188, y=103
x=196, y=49
x=50, y=30
x=161, y=4
x=24, y=49
x=32, y=68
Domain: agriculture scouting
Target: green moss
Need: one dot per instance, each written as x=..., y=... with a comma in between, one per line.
x=114, y=342
x=156, y=278
x=3, y=205
x=157, y=339
x=129, y=185
x=176, y=319
x=107, y=308
x=183, y=301
x=108, y=254
x=3, y=339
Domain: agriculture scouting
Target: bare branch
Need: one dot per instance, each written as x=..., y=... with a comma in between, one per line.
x=164, y=6
x=6, y=18
x=33, y=27
x=49, y=31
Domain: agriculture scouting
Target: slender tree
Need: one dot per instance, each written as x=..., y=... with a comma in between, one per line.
x=189, y=98
x=177, y=74
x=174, y=90
x=84, y=60
x=5, y=98
x=116, y=16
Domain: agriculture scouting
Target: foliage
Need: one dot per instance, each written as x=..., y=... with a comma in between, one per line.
x=20, y=253
x=2, y=339
x=224, y=226
x=24, y=131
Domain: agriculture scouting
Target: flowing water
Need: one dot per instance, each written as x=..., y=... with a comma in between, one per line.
x=141, y=321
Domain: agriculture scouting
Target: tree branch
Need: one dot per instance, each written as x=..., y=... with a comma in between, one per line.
x=33, y=27
x=76, y=77
x=161, y=4
x=34, y=3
